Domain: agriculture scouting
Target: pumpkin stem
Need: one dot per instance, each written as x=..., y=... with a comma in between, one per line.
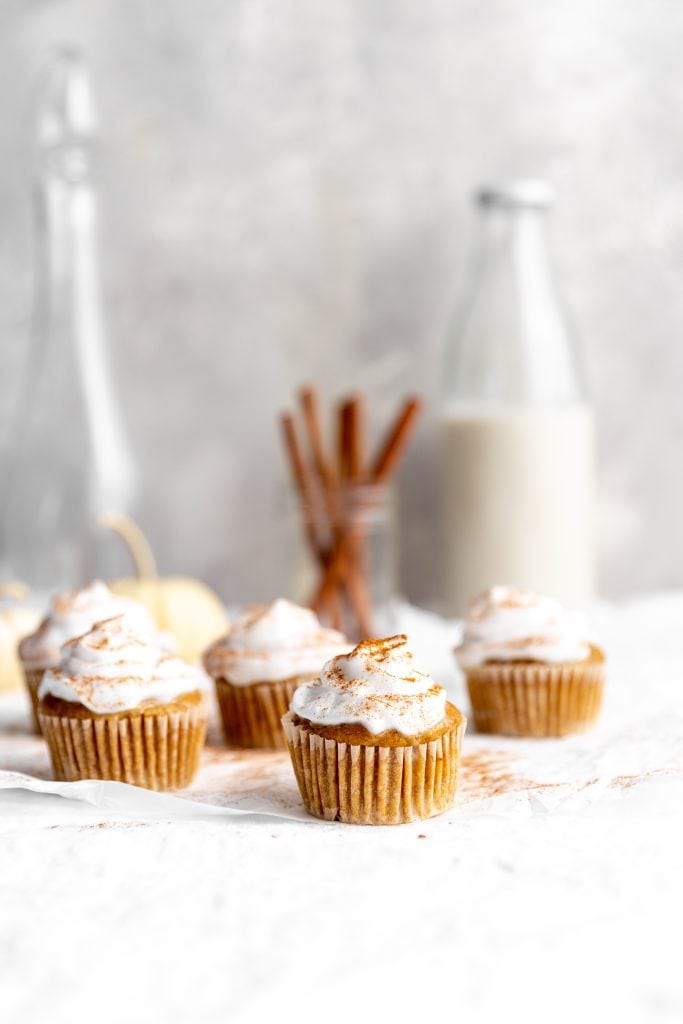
x=135, y=540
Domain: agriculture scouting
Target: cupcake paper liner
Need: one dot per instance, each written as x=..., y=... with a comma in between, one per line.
x=374, y=785
x=536, y=700
x=33, y=677
x=252, y=715
x=158, y=751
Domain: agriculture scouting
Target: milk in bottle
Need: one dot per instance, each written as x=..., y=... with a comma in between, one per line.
x=518, y=442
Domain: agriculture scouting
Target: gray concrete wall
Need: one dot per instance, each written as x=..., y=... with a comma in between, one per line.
x=285, y=191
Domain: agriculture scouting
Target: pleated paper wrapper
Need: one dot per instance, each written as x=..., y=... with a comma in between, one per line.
x=374, y=785
x=536, y=700
x=252, y=715
x=33, y=677
x=158, y=751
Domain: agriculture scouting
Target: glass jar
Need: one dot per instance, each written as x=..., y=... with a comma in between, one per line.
x=363, y=523
x=518, y=439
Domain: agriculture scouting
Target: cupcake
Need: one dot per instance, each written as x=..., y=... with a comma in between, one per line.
x=269, y=651
x=373, y=740
x=120, y=707
x=530, y=670
x=71, y=614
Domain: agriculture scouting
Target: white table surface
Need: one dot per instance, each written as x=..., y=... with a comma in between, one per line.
x=553, y=891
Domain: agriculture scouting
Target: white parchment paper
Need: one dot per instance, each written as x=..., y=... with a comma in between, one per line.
x=639, y=738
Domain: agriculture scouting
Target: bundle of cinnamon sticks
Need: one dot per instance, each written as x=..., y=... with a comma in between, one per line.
x=326, y=478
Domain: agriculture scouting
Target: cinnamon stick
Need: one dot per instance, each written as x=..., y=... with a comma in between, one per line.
x=343, y=439
x=397, y=439
x=355, y=563
x=310, y=405
x=352, y=437
x=303, y=482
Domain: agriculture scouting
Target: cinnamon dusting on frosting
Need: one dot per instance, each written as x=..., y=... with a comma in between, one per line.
x=377, y=686
x=508, y=623
x=115, y=667
x=273, y=642
x=72, y=613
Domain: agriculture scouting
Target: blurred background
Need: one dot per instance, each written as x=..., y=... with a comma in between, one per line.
x=285, y=196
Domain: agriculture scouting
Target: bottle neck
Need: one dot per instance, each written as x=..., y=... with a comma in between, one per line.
x=512, y=345
x=70, y=340
x=517, y=234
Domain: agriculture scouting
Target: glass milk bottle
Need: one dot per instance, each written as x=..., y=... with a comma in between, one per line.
x=518, y=443
x=69, y=457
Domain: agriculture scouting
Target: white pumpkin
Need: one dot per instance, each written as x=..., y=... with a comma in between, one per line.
x=17, y=620
x=183, y=606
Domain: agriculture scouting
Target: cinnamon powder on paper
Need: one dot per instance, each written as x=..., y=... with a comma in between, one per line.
x=487, y=773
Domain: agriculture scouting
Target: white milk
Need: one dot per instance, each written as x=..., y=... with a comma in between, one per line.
x=518, y=500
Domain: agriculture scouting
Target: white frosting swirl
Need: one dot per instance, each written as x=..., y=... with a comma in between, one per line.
x=376, y=686
x=114, y=668
x=73, y=613
x=271, y=642
x=507, y=624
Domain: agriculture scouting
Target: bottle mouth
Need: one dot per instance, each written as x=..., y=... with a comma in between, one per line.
x=526, y=193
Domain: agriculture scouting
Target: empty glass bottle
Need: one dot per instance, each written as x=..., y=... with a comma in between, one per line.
x=69, y=459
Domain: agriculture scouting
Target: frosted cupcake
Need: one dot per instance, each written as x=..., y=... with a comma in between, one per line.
x=269, y=651
x=120, y=707
x=71, y=614
x=530, y=670
x=373, y=740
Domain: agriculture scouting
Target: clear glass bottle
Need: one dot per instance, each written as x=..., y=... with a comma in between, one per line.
x=517, y=426
x=69, y=459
